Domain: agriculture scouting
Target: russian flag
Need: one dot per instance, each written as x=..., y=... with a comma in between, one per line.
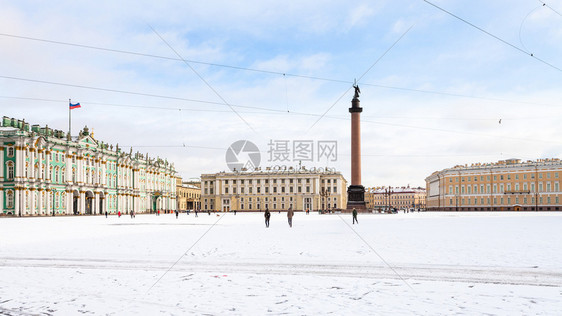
x=74, y=106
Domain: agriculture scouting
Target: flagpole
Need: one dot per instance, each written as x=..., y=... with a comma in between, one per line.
x=69, y=117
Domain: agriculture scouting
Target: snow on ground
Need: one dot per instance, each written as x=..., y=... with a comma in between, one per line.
x=440, y=264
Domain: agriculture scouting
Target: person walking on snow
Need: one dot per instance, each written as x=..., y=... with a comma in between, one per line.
x=267, y=215
x=290, y=214
x=355, y=216
x=177, y=213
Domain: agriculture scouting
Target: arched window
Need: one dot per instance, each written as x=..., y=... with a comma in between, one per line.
x=57, y=200
x=64, y=199
x=10, y=199
x=10, y=171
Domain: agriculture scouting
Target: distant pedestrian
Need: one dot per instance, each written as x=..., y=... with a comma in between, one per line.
x=196, y=213
x=290, y=214
x=234, y=212
x=267, y=215
x=177, y=213
x=105, y=214
x=307, y=211
x=355, y=216
x=158, y=213
x=209, y=211
x=119, y=214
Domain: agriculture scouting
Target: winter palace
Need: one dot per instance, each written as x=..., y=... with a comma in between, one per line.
x=42, y=172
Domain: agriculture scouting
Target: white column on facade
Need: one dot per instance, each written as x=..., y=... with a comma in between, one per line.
x=95, y=208
x=82, y=202
x=1, y=169
x=32, y=197
x=17, y=168
x=48, y=175
x=104, y=174
x=50, y=201
x=79, y=171
x=68, y=164
x=17, y=203
x=25, y=193
x=39, y=201
x=39, y=166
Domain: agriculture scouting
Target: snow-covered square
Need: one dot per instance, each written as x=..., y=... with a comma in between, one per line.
x=409, y=264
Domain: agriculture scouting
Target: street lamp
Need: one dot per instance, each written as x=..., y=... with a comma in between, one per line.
x=388, y=194
x=324, y=195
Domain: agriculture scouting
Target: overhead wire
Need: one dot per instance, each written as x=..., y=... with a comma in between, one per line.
x=551, y=8
x=172, y=58
x=521, y=27
x=378, y=255
x=346, y=118
x=285, y=74
x=371, y=67
x=185, y=253
x=494, y=36
x=202, y=79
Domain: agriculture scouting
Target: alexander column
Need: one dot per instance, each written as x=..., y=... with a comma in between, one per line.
x=356, y=192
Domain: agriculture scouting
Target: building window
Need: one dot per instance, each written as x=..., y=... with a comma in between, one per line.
x=10, y=151
x=10, y=199
x=10, y=170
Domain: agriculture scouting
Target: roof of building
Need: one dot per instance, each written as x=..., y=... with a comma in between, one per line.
x=501, y=164
x=276, y=171
x=397, y=190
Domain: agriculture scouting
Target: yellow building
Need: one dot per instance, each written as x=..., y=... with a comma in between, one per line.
x=385, y=198
x=508, y=185
x=275, y=190
x=188, y=195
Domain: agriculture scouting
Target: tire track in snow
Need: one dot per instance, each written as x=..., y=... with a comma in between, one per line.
x=447, y=273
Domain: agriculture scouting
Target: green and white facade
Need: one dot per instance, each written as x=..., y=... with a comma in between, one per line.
x=42, y=172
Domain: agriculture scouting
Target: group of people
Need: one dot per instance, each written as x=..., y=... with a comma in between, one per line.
x=291, y=213
x=267, y=215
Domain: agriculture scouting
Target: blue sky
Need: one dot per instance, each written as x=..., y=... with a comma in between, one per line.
x=432, y=102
